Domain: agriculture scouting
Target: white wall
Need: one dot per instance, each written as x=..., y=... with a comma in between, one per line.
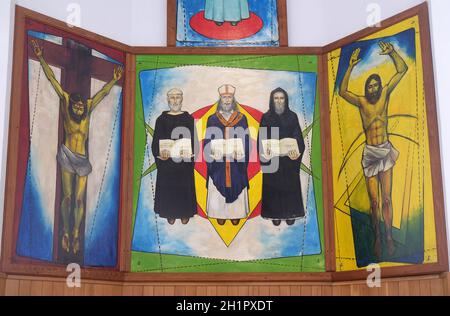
x=105, y=17
x=6, y=14
x=311, y=23
x=440, y=25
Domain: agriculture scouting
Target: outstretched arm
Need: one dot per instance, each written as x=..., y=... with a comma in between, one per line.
x=400, y=65
x=106, y=89
x=47, y=70
x=343, y=91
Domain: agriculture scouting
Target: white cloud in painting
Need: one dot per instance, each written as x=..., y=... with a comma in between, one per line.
x=200, y=85
x=375, y=60
x=258, y=239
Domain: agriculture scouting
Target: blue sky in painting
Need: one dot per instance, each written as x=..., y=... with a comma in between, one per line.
x=404, y=42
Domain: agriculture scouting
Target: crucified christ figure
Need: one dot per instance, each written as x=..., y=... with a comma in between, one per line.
x=72, y=155
x=379, y=155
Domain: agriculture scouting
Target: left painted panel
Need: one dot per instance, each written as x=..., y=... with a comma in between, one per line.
x=70, y=150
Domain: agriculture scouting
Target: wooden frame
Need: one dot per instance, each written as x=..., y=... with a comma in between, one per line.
x=172, y=23
x=9, y=262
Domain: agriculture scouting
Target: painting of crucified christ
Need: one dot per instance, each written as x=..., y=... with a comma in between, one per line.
x=379, y=155
x=72, y=156
x=72, y=116
x=382, y=179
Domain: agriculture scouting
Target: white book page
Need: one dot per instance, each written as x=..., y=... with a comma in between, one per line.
x=182, y=145
x=271, y=147
x=177, y=147
x=275, y=147
x=222, y=147
x=217, y=148
x=165, y=145
x=287, y=145
x=235, y=145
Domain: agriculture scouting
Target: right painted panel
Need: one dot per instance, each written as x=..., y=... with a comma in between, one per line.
x=383, y=195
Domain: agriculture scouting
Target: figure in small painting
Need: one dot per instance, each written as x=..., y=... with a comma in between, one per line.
x=221, y=11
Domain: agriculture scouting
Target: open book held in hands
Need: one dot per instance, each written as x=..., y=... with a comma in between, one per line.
x=275, y=147
x=176, y=148
x=228, y=148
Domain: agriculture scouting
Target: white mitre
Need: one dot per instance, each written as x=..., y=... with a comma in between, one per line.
x=227, y=89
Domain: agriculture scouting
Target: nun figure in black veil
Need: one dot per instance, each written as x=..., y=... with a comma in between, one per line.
x=282, y=194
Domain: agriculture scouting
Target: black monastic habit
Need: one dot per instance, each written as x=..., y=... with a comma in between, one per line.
x=282, y=195
x=175, y=186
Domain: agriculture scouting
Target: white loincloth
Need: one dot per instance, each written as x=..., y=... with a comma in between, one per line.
x=377, y=159
x=216, y=207
x=73, y=162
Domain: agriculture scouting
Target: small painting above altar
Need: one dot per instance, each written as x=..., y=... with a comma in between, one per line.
x=225, y=23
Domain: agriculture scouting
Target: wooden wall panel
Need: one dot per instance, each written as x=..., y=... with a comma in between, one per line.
x=375, y=291
x=2, y=284
x=253, y=291
x=306, y=290
x=432, y=285
x=393, y=289
x=296, y=290
x=12, y=287
x=425, y=287
x=25, y=288
x=263, y=290
x=191, y=291
x=47, y=289
x=210, y=291
x=58, y=289
x=414, y=287
x=149, y=291
x=36, y=288
x=316, y=290
x=223, y=291
x=446, y=284
x=437, y=287
x=403, y=289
